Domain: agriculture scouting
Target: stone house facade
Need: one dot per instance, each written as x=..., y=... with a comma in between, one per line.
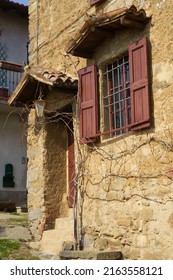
x=105, y=149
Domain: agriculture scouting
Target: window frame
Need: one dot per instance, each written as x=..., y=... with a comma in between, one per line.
x=139, y=94
x=118, y=94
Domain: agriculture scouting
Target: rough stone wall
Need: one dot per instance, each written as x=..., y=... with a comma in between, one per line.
x=55, y=171
x=127, y=196
x=47, y=168
x=35, y=175
x=47, y=172
x=52, y=25
x=125, y=183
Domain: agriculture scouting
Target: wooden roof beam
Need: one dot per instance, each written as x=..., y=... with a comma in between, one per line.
x=131, y=23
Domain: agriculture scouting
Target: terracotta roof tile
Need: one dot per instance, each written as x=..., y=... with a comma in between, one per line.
x=25, y=90
x=53, y=78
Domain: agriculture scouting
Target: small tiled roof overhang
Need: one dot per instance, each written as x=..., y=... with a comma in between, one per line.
x=98, y=28
x=27, y=89
x=7, y=5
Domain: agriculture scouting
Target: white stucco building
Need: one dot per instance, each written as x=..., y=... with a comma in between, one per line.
x=13, y=56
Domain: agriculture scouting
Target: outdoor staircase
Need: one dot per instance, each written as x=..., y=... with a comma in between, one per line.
x=56, y=242
x=52, y=240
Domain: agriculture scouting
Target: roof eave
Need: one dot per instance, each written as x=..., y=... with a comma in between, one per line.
x=27, y=89
x=97, y=29
x=18, y=90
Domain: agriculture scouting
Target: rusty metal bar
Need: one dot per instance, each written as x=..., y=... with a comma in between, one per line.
x=10, y=75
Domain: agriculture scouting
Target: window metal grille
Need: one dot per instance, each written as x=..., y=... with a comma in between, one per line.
x=117, y=100
x=3, y=72
x=3, y=51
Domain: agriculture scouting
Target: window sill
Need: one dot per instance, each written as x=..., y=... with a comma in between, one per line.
x=106, y=138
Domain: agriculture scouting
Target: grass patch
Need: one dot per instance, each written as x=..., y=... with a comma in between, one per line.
x=15, y=213
x=15, y=250
x=24, y=253
x=7, y=247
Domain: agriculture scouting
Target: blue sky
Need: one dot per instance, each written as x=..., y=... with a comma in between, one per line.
x=24, y=2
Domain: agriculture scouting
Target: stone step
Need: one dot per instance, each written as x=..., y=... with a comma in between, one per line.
x=53, y=240
x=53, y=243
x=52, y=247
x=64, y=223
x=54, y=234
x=90, y=255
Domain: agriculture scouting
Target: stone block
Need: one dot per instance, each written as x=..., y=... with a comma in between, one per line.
x=141, y=241
x=146, y=214
x=68, y=246
x=127, y=222
x=35, y=214
x=101, y=244
x=170, y=220
x=135, y=254
x=90, y=255
x=88, y=242
x=114, y=242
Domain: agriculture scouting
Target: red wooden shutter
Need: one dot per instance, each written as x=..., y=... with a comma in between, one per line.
x=88, y=103
x=139, y=85
x=93, y=2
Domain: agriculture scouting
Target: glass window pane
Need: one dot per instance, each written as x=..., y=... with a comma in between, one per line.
x=118, y=84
